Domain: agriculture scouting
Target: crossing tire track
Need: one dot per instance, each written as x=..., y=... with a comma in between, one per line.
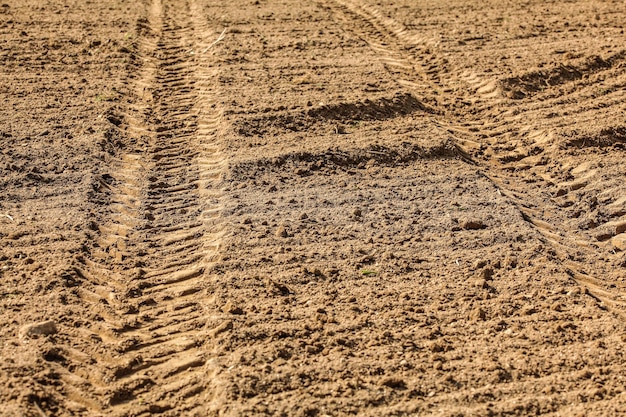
x=510, y=137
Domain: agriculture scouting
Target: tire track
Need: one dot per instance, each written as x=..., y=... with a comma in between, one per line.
x=513, y=139
x=380, y=35
x=146, y=277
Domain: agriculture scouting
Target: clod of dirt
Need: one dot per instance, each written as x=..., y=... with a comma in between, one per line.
x=388, y=255
x=16, y=235
x=510, y=262
x=479, y=264
x=477, y=314
x=557, y=306
x=276, y=287
x=340, y=129
x=318, y=273
x=393, y=382
x=619, y=241
x=574, y=292
x=480, y=283
x=43, y=328
x=472, y=224
x=231, y=308
x=301, y=172
x=438, y=347
x=227, y=325
x=313, y=349
x=282, y=231
x=486, y=273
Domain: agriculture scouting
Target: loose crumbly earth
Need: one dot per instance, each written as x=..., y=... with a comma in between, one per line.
x=321, y=208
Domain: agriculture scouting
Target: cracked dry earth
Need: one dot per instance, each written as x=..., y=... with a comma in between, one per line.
x=324, y=208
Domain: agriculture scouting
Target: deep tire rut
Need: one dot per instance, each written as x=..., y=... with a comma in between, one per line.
x=146, y=276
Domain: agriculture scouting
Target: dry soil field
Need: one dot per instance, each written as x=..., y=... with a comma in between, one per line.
x=312, y=208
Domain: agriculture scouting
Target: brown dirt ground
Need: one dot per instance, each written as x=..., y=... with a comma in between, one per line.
x=326, y=208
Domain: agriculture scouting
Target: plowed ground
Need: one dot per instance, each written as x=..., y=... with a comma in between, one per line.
x=336, y=207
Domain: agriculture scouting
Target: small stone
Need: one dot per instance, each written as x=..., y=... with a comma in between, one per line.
x=574, y=291
x=304, y=216
x=357, y=212
x=281, y=231
x=43, y=328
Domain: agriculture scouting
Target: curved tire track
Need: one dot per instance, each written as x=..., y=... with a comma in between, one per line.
x=511, y=138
